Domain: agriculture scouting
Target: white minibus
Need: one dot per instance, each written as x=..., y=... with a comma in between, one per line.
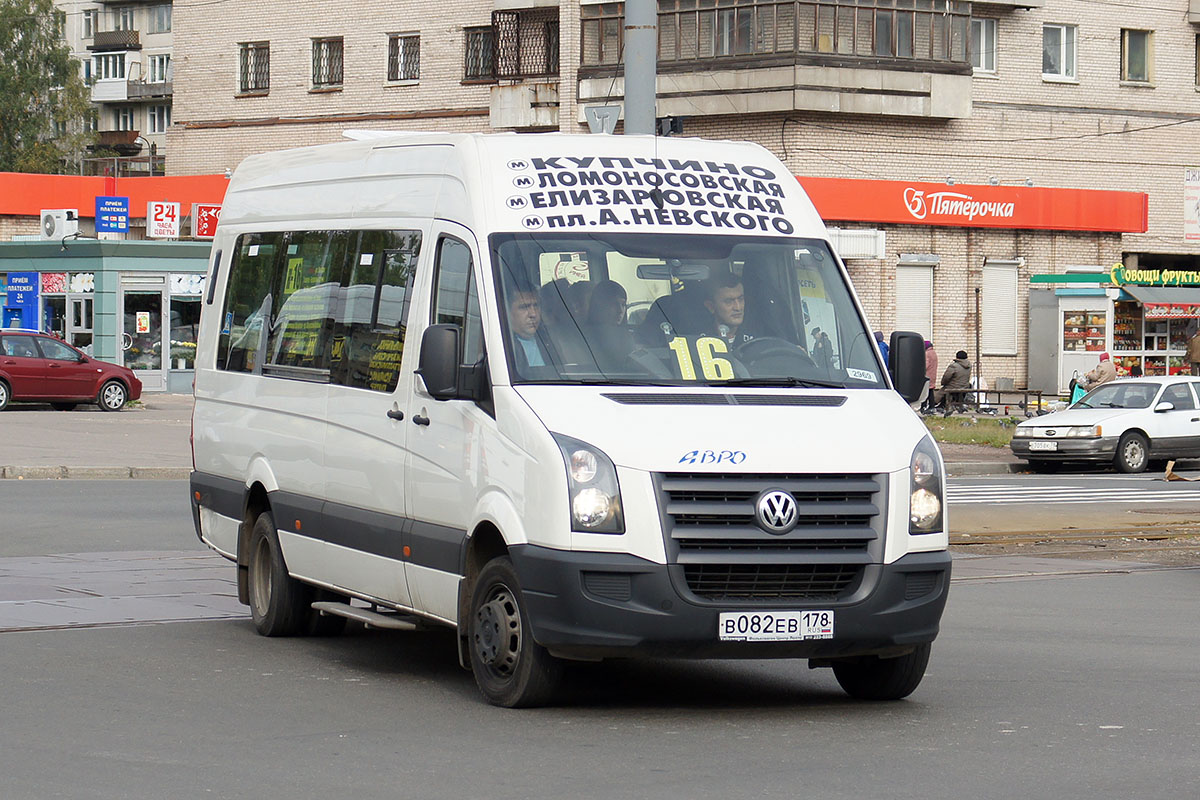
x=575, y=397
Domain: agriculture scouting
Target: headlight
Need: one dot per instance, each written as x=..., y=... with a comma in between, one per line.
x=926, y=489
x=1021, y=433
x=1083, y=432
x=594, y=495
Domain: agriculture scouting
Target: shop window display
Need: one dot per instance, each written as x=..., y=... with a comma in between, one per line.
x=1084, y=330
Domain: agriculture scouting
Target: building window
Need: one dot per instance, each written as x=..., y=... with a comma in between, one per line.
x=91, y=122
x=1137, y=56
x=1058, y=52
x=327, y=62
x=88, y=23
x=158, y=68
x=914, y=297
x=87, y=72
x=254, y=67
x=1198, y=59
x=160, y=118
x=999, y=312
x=110, y=66
x=123, y=18
x=526, y=42
x=478, y=53
x=123, y=118
x=983, y=44
x=160, y=18
x=404, y=57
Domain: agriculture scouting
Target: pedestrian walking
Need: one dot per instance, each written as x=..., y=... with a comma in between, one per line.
x=931, y=374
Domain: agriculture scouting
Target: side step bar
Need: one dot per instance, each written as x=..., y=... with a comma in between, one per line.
x=372, y=619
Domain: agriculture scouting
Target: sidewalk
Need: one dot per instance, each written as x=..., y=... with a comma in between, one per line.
x=151, y=441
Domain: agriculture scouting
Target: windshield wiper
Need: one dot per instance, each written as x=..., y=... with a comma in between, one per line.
x=808, y=383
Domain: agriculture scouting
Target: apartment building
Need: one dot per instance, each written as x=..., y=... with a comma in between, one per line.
x=967, y=152
x=124, y=52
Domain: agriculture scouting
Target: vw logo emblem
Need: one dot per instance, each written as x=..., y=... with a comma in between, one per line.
x=776, y=511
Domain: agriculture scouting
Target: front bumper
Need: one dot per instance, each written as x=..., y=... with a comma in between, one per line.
x=1102, y=449
x=597, y=605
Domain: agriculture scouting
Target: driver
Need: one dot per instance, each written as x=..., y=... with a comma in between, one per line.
x=726, y=301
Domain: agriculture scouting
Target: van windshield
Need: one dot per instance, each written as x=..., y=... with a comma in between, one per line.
x=678, y=309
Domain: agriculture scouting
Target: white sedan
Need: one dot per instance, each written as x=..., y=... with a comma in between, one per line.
x=1129, y=422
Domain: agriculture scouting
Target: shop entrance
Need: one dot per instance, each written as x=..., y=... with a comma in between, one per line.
x=143, y=300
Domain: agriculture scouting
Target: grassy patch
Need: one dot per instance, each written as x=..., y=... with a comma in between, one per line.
x=990, y=431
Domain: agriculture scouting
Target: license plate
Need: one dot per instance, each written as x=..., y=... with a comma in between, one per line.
x=774, y=626
x=1043, y=445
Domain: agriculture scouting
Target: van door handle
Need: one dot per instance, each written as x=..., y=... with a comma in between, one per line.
x=420, y=420
x=396, y=413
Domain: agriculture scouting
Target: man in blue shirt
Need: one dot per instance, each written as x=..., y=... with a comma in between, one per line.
x=883, y=347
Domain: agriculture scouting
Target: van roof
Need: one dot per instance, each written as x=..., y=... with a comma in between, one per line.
x=528, y=182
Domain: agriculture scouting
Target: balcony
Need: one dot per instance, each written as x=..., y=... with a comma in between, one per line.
x=145, y=90
x=125, y=143
x=113, y=90
x=768, y=56
x=115, y=41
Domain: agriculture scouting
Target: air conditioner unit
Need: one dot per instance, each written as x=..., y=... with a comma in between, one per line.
x=59, y=222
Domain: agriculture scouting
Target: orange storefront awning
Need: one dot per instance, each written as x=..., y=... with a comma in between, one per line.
x=958, y=205
x=25, y=195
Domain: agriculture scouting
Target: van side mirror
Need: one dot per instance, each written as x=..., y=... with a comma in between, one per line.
x=440, y=354
x=906, y=363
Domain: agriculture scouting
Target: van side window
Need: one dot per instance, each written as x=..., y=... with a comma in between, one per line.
x=372, y=313
x=456, y=301
x=247, y=301
x=312, y=267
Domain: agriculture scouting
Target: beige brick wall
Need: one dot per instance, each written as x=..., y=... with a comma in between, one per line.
x=18, y=226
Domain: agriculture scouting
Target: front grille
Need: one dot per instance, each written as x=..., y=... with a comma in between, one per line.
x=712, y=530
x=770, y=582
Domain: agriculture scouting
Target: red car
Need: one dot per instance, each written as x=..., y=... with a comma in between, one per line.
x=36, y=367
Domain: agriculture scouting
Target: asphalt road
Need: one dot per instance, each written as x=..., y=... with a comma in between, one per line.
x=1080, y=684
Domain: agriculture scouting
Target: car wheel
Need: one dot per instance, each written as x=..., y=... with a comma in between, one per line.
x=63, y=406
x=277, y=600
x=511, y=669
x=1133, y=453
x=874, y=678
x=3, y=395
x=113, y=396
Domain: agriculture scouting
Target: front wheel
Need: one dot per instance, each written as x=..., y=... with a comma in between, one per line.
x=511, y=669
x=1133, y=453
x=875, y=678
x=278, y=602
x=4, y=396
x=113, y=396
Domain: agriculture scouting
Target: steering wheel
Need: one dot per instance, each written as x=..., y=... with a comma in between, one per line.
x=771, y=347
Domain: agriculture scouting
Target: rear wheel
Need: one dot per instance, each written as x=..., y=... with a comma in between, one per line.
x=511, y=669
x=113, y=396
x=874, y=678
x=4, y=397
x=278, y=602
x=63, y=406
x=1133, y=453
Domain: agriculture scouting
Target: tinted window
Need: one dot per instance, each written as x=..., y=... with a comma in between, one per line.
x=456, y=301
x=302, y=323
x=20, y=346
x=57, y=350
x=248, y=301
x=1180, y=395
x=371, y=312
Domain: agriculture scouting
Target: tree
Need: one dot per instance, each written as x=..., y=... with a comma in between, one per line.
x=43, y=100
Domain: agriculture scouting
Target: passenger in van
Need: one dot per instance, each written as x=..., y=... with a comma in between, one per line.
x=609, y=336
x=561, y=326
x=726, y=302
x=533, y=355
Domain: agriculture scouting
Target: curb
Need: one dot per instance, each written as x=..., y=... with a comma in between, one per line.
x=95, y=473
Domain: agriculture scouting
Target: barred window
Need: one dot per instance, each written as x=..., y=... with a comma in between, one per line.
x=254, y=60
x=480, y=43
x=327, y=62
x=526, y=42
x=404, y=57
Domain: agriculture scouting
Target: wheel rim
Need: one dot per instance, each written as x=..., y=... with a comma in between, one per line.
x=260, y=577
x=1134, y=453
x=3, y=395
x=498, y=632
x=114, y=396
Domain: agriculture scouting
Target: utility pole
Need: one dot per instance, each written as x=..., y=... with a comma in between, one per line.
x=641, y=65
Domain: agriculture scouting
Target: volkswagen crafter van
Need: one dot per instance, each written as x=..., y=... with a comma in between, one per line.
x=576, y=397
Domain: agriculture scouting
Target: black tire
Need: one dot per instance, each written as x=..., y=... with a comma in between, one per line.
x=5, y=395
x=63, y=406
x=1133, y=453
x=279, y=604
x=874, y=678
x=511, y=669
x=112, y=396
